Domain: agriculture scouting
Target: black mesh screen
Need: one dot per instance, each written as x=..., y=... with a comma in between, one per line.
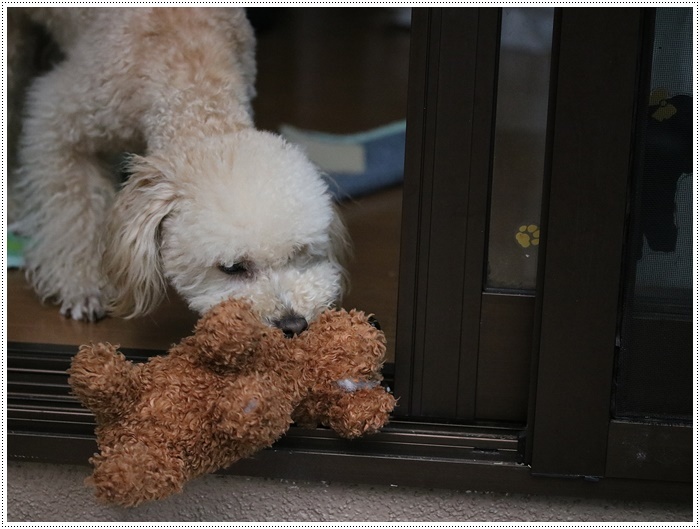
x=655, y=364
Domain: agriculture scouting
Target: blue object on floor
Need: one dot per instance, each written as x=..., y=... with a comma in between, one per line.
x=355, y=164
x=15, y=250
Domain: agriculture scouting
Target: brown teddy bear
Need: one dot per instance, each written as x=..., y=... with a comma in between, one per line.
x=229, y=390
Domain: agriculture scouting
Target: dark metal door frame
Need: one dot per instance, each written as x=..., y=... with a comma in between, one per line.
x=448, y=164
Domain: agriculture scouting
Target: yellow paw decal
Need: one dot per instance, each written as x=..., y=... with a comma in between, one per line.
x=528, y=235
x=665, y=109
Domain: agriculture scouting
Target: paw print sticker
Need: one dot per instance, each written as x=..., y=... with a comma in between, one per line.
x=528, y=235
x=664, y=110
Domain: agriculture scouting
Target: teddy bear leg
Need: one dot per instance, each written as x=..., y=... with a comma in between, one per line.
x=103, y=380
x=135, y=473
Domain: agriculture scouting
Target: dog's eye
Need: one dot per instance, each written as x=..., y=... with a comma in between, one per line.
x=374, y=322
x=235, y=269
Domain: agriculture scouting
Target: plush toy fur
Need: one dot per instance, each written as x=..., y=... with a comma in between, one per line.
x=225, y=392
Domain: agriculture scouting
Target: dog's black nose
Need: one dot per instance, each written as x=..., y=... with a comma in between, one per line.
x=292, y=325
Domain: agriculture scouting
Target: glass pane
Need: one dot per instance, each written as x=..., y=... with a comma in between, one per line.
x=655, y=368
x=334, y=81
x=518, y=165
x=335, y=72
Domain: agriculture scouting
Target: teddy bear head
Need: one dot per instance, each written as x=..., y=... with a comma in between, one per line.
x=346, y=353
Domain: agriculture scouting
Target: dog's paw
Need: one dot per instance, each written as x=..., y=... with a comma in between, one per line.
x=84, y=308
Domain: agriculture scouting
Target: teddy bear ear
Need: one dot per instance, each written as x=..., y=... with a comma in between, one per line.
x=226, y=334
x=374, y=322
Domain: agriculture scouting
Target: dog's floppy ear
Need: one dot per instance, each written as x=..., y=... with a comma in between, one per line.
x=340, y=248
x=131, y=254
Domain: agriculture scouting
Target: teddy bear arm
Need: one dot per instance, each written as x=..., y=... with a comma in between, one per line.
x=360, y=412
x=103, y=380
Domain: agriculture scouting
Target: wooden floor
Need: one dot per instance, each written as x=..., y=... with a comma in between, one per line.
x=336, y=70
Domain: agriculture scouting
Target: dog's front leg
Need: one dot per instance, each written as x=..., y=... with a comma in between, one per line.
x=63, y=212
x=63, y=192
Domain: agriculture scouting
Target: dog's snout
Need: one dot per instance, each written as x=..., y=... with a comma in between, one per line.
x=292, y=325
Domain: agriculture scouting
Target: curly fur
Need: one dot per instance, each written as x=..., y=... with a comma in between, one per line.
x=230, y=389
x=174, y=84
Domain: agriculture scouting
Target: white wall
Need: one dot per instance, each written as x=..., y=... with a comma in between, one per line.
x=55, y=493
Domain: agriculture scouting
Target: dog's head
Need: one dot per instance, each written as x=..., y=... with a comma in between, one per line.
x=244, y=215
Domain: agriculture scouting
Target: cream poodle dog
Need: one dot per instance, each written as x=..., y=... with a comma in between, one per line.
x=213, y=206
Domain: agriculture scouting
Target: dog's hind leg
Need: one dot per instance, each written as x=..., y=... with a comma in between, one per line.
x=22, y=46
x=63, y=193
